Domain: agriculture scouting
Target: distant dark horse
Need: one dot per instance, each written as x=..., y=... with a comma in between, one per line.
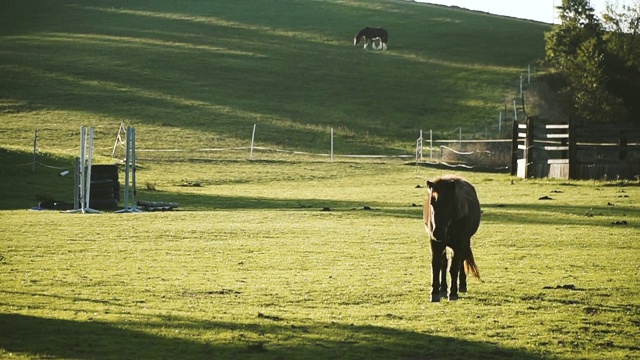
x=451, y=216
x=370, y=34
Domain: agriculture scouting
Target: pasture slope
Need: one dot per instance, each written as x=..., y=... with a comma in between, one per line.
x=250, y=266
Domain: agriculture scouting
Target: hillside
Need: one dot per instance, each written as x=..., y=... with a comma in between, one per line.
x=194, y=74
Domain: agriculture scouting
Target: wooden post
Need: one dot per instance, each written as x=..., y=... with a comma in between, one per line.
x=623, y=143
x=514, y=149
x=528, y=151
x=573, y=153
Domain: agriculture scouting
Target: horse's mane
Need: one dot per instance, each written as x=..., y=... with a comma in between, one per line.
x=427, y=214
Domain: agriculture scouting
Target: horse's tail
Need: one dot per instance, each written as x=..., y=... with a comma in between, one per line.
x=470, y=266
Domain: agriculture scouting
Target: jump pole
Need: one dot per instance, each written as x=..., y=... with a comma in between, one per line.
x=83, y=180
x=130, y=172
x=133, y=170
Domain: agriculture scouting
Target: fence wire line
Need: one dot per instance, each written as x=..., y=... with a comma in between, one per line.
x=37, y=163
x=245, y=148
x=465, y=153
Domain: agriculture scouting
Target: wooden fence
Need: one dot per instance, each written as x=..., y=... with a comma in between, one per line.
x=575, y=151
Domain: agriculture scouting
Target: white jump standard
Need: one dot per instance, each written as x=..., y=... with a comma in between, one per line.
x=82, y=179
x=130, y=173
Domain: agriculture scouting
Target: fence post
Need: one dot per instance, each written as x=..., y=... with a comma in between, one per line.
x=521, y=81
x=35, y=151
x=573, y=154
x=431, y=145
x=253, y=137
x=421, y=145
x=528, y=151
x=623, y=143
x=514, y=149
x=331, y=145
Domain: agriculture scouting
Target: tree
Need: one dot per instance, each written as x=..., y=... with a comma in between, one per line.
x=623, y=31
x=622, y=38
x=578, y=50
x=588, y=83
x=578, y=24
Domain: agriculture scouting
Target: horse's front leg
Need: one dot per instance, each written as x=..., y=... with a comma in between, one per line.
x=436, y=269
x=444, y=287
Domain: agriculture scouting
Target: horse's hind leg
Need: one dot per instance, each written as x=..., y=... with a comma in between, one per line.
x=454, y=271
x=384, y=46
x=436, y=269
x=462, y=287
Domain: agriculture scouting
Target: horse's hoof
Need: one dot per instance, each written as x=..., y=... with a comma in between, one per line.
x=435, y=298
x=453, y=297
x=463, y=289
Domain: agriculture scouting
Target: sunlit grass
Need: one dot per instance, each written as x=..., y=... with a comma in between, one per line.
x=250, y=266
x=287, y=255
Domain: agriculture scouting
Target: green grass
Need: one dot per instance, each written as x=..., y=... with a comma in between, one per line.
x=249, y=266
x=204, y=72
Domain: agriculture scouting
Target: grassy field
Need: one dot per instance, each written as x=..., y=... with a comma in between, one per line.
x=249, y=265
x=205, y=72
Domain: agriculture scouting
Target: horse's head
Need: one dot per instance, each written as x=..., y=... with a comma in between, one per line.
x=440, y=208
x=362, y=33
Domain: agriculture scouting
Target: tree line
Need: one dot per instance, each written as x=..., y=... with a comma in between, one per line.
x=597, y=60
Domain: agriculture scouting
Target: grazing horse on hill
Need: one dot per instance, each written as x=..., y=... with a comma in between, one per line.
x=370, y=34
x=451, y=216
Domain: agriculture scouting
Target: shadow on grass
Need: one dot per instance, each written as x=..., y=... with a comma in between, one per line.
x=559, y=215
x=24, y=185
x=267, y=338
x=543, y=214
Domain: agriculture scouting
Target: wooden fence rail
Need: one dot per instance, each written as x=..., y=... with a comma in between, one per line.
x=575, y=151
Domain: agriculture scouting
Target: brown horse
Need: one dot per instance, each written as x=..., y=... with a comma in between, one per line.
x=451, y=216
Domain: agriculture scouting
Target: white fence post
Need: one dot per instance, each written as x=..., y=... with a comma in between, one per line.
x=35, y=151
x=253, y=137
x=431, y=145
x=331, y=145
